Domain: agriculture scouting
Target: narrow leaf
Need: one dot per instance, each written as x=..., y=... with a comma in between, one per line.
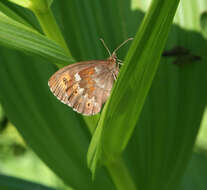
x=130, y=91
x=23, y=3
x=136, y=76
x=33, y=4
x=21, y=37
x=13, y=15
x=94, y=150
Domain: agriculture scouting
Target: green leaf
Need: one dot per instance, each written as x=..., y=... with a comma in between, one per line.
x=53, y=130
x=135, y=78
x=195, y=175
x=162, y=142
x=21, y=37
x=22, y=3
x=40, y=5
x=3, y=119
x=95, y=148
x=12, y=183
x=62, y=137
x=8, y=12
x=203, y=22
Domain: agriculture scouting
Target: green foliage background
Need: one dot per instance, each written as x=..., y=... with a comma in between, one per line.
x=161, y=144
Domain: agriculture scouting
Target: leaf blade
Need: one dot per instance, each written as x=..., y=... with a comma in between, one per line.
x=13, y=183
x=21, y=37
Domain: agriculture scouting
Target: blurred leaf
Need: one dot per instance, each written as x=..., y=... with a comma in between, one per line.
x=33, y=4
x=201, y=140
x=203, y=21
x=12, y=183
x=195, y=175
x=49, y=2
x=23, y=3
x=2, y=114
x=3, y=119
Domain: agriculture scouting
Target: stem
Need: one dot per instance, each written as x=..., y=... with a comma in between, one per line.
x=120, y=175
x=50, y=27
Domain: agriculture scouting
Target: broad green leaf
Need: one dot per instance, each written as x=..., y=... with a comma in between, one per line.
x=62, y=128
x=21, y=37
x=163, y=140
x=12, y=183
x=195, y=175
x=55, y=132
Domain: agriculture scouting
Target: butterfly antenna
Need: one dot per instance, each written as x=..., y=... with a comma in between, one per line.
x=122, y=44
x=105, y=46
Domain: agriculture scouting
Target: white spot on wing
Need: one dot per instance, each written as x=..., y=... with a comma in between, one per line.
x=97, y=80
x=97, y=69
x=98, y=83
x=102, y=86
x=77, y=77
x=93, y=99
x=81, y=90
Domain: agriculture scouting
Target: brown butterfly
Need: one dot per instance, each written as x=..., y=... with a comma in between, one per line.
x=86, y=85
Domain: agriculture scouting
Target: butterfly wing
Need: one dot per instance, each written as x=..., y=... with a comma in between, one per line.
x=84, y=86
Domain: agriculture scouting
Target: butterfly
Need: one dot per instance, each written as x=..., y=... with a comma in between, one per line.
x=85, y=86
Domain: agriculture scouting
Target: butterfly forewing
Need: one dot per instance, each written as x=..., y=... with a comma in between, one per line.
x=84, y=86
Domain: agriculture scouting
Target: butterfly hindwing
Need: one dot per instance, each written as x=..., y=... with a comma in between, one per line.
x=84, y=86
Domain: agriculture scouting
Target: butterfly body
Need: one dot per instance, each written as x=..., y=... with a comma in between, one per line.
x=85, y=85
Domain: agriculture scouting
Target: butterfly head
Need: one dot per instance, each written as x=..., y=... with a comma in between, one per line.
x=113, y=58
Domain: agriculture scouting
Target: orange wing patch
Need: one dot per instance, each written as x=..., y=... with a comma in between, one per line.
x=87, y=72
x=88, y=83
